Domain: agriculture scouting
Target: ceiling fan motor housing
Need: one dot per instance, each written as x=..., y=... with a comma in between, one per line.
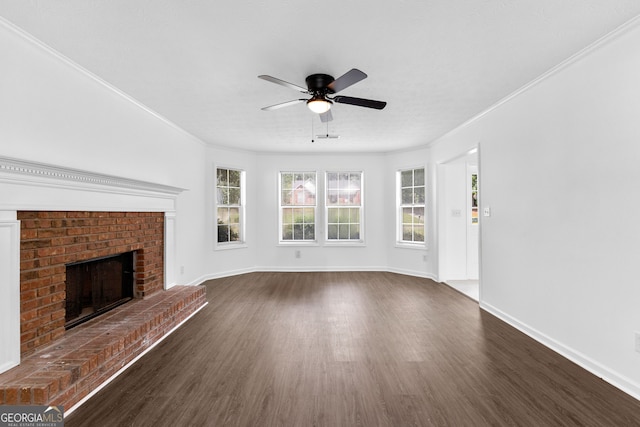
x=318, y=84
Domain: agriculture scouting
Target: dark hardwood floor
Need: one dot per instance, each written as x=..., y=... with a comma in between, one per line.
x=351, y=349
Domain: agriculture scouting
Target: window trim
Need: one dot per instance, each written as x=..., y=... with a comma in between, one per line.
x=242, y=242
x=400, y=243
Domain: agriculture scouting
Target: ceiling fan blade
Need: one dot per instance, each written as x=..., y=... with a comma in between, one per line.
x=326, y=117
x=283, y=104
x=360, y=102
x=283, y=83
x=349, y=78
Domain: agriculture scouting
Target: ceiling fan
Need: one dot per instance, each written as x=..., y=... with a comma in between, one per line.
x=321, y=87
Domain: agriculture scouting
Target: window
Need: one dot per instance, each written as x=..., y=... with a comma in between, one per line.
x=474, y=198
x=230, y=209
x=344, y=206
x=297, y=206
x=411, y=209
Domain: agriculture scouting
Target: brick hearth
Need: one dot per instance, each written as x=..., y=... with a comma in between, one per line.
x=66, y=371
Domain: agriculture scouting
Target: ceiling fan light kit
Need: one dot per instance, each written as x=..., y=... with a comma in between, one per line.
x=320, y=87
x=319, y=105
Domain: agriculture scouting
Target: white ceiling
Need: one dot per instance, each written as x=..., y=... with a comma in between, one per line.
x=437, y=63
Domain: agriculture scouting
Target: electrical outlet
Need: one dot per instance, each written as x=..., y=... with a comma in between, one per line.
x=638, y=342
x=298, y=254
x=182, y=269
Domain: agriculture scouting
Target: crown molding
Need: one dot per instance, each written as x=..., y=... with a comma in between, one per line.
x=45, y=174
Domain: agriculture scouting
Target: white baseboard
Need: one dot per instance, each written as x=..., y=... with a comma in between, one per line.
x=619, y=381
x=414, y=273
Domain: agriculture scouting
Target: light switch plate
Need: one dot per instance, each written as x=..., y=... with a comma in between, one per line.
x=487, y=211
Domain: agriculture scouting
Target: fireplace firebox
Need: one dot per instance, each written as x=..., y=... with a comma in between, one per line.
x=96, y=286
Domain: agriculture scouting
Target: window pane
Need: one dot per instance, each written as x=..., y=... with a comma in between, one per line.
x=234, y=178
x=310, y=178
x=343, y=231
x=287, y=216
x=332, y=231
x=332, y=216
x=298, y=232
x=234, y=196
x=332, y=180
x=407, y=233
x=343, y=182
x=223, y=233
x=332, y=197
x=223, y=196
x=406, y=178
x=407, y=196
x=223, y=215
x=309, y=232
x=234, y=233
x=418, y=215
x=286, y=181
x=354, y=179
x=354, y=232
x=407, y=215
x=418, y=233
x=221, y=176
x=287, y=232
x=309, y=215
x=343, y=215
x=418, y=177
x=418, y=195
x=343, y=197
x=298, y=216
x=354, y=216
x=286, y=198
x=234, y=216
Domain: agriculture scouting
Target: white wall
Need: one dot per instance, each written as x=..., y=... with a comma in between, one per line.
x=558, y=166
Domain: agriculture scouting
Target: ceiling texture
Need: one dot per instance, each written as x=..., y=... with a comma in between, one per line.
x=437, y=63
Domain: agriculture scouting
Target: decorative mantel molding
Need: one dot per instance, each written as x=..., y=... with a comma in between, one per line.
x=22, y=170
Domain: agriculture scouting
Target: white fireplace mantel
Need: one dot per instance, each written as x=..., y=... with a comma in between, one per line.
x=26, y=185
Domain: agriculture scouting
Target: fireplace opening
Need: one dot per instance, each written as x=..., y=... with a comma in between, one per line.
x=96, y=286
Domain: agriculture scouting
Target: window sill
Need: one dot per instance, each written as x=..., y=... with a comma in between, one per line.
x=228, y=246
x=298, y=243
x=354, y=243
x=414, y=246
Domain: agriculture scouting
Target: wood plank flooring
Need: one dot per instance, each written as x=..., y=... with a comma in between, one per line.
x=351, y=349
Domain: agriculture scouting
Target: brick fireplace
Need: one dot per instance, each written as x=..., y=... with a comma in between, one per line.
x=52, y=217
x=50, y=240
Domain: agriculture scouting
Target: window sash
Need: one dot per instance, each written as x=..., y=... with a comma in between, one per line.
x=298, y=209
x=344, y=206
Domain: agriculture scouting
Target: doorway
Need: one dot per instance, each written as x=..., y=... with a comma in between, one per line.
x=459, y=223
